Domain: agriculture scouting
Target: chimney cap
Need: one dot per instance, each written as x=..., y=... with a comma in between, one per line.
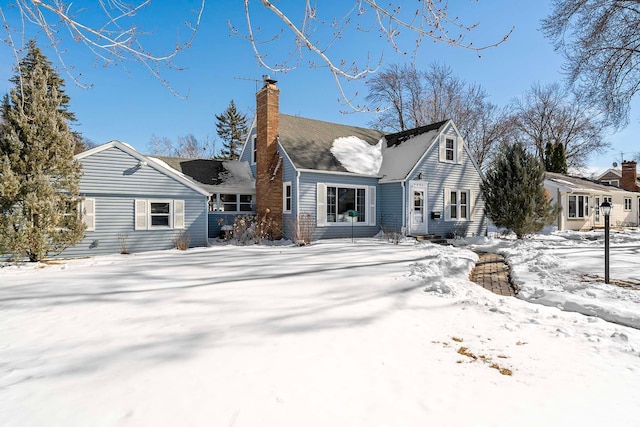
x=268, y=80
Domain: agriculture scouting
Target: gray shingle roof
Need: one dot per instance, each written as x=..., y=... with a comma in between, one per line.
x=308, y=142
x=579, y=184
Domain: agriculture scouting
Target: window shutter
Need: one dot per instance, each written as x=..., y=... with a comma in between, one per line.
x=140, y=214
x=443, y=145
x=88, y=210
x=460, y=146
x=447, y=203
x=178, y=214
x=321, y=209
x=372, y=205
x=472, y=207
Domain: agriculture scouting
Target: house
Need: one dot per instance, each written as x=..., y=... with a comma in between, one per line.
x=230, y=186
x=356, y=180
x=135, y=202
x=580, y=200
x=626, y=178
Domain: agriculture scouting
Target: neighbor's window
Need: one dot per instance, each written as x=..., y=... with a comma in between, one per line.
x=627, y=204
x=578, y=207
x=160, y=213
x=341, y=200
x=458, y=204
x=246, y=204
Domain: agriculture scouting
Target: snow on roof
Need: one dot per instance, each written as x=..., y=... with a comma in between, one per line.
x=236, y=174
x=398, y=160
x=357, y=155
x=166, y=166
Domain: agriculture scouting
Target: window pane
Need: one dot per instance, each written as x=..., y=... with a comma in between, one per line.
x=454, y=211
x=159, y=208
x=227, y=198
x=346, y=200
x=449, y=149
x=360, y=204
x=160, y=220
x=331, y=204
x=572, y=206
x=245, y=198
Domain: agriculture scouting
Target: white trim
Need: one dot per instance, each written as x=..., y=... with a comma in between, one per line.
x=321, y=205
x=88, y=213
x=339, y=173
x=140, y=214
x=169, y=215
x=447, y=204
x=178, y=215
x=371, y=202
x=284, y=197
x=246, y=140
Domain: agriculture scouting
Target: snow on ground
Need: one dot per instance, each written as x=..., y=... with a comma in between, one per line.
x=560, y=270
x=334, y=334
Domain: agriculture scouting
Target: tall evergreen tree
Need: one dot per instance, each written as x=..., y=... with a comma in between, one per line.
x=39, y=178
x=514, y=193
x=232, y=128
x=555, y=158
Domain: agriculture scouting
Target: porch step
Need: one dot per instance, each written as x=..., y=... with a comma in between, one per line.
x=433, y=238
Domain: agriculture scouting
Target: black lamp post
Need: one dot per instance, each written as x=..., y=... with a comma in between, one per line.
x=605, y=207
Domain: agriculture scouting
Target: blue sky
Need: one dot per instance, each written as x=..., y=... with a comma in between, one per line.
x=128, y=104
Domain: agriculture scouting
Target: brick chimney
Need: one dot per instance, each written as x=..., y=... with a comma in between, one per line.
x=268, y=160
x=629, y=176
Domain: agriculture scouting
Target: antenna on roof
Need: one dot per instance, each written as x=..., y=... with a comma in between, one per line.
x=251, y=80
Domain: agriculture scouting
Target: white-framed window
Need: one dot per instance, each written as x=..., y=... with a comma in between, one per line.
x=457, y=204
x=286, y=197
x=627, y=204
x=614, y=182
x=340, y=204
x=158, y=214
x=578, y=206
x=231, y=202
x=451, y=148
x=88, y=212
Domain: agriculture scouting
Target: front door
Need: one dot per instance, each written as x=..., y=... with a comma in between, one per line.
x=418, y=208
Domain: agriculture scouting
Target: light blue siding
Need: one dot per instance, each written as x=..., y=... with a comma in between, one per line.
x=308, y=203
x=247, y=152
x=390, y=206
x=461, y=176
x=114, y=180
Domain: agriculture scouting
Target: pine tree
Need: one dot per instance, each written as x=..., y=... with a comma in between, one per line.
x=232, y=128
x=39, y=178
x=514, y=194
x=555, y=158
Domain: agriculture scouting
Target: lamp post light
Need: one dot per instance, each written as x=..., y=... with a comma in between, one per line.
x=605, y=207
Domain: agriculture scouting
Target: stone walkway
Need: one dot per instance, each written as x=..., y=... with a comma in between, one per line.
x=492, y=273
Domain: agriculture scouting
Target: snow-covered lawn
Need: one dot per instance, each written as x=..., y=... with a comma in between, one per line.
x=334, y=334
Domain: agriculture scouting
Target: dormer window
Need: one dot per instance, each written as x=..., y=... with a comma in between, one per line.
x=450, y=149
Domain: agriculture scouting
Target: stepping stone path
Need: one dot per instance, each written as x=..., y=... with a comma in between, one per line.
x=492, y=273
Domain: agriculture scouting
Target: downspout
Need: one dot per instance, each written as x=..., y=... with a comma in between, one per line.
x=206, y=219
x=297, y=195
x=403, y=229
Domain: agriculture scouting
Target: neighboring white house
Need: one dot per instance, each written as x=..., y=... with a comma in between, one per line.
x=580, y=198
